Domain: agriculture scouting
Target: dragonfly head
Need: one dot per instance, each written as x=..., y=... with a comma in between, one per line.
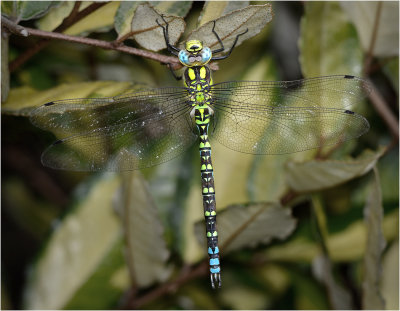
x=195, y=54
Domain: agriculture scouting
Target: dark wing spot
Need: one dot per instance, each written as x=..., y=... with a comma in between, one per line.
x=293, y=85
x=349, y=77
x=49, y=104
x=349, y=111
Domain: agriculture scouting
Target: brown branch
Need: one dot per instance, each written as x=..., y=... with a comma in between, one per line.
x=13, y=27
x=375, y=97
x=71, y=19
x=170, y=287
x=73, y=16
x=105, y=45
x=119, y=40
x=369, y=57
x=383, y=110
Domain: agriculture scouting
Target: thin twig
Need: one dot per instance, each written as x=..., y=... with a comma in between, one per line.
x=13, y=27
x=73, y=16
x=383, y=110
x=169, y=287
x=105, y=45
x=71, y=19
x=370, y=55
x=375, y=97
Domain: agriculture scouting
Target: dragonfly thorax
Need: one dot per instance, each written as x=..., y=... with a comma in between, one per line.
x=195, y=54
x=198, y=80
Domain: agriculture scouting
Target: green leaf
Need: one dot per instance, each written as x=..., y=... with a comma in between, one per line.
x=103, y=290
x=253, y=18
x=316, y=175
x=328, y=41
x=56, y=15
x=17, y=103
x=212, y=10
x=82, y=254
x=146, y=252
x=127, y=9
x=9, y=8
x=177, y=8
x=363, y=15
x=25, y=10
x=373, y=214
x=390, y=277
x=147, y=32
x=346, y=245
x=123, y=17
x=248, y=226
x=101, y=19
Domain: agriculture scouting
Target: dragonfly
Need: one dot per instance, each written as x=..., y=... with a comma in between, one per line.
x=151, y=126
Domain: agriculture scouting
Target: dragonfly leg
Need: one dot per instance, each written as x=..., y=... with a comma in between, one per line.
x=219, y=40
x=231, y=49
x=173, y=73
x=172, y=49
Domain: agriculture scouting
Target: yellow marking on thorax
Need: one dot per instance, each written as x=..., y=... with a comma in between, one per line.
x=203, y=72
x=192, y=75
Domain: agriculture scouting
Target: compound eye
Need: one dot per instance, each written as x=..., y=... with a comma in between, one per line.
x=184, y=58
x=206, y=55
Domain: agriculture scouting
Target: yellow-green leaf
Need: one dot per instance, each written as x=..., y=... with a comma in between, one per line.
x=148, y=33
x=99, y=20
x=390, y=277
x=315, y=175
x=123, y=17
x=248, y=226
x=127, y=9
x=25, y=10
x=56, y=14
x=373, y=214
x=363, y=15
x=146, y=252
x=253, y=18
x=22, y=100
x=328, y=41
x=82, y=254
x=214, y=9
x=346, y=245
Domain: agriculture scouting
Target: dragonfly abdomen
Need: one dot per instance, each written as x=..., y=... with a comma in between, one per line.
x=202, y=118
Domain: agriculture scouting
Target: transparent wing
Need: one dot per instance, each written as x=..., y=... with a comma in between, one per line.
x=126, y=132
x=288, y=116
